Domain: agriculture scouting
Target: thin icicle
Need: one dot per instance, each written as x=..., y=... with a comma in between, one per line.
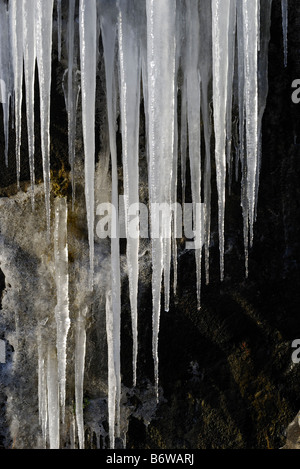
x=240, y=72
x=177, y=213
x=130, y=76
x=206, y=76
x=181, y=47
x=62, y=289
x=88, y=56
x=144, y=77
x=71, y=93
x=231, y=61
x=53, y=399
x=263, y=82
x=16, y=36
x=109, y=18
x=5, y=73
x=161, y=101
x=44, y=11
x=29, y=68
x=250, y=31
x=284, y=8
x=111, y=370
x=183, y=139
x=73, y=433
x=168, y=151
x=194, y=118
x=80, y=348
x=42, y=387
x=174, y=199
x=220, y=25
x=59, y=28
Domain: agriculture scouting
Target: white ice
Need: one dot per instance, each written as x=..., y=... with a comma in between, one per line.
x=88, y=56
x=130, y=76
x=62, y=292
x=44, y=21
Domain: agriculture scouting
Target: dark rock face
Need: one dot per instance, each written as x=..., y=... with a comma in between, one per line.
x=226, y=372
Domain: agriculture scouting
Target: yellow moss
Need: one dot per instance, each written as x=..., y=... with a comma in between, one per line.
x=157, y=438
x=190, y=398
x=60, y=182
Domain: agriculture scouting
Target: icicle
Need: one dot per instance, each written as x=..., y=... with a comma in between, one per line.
x=174, y=200
x=80, y=348
x=242, y=153
x=170, y=177
x=144, y=77
x=220, y=26
x=109, y=17
x=130, y=76
x=183, y=139
x=231, y=61
x=240, y=51
x=263, y=85
x=251, y=28
x=206, y=76
x=5, y=73
x=88, y=56
x=72, y=433
x=44, y=10
x=194, y=119
x=42, y=387
x=59, y=27
x=16, y=35
x=53, y=399
x=29, y=68
x=181, y=47
x=71, y=94
x=111, y=370
x=62, y=288
x=177, y=213
x=284, y=8
x=161, y=101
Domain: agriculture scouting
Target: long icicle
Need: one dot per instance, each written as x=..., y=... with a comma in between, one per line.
x=220, y=24
x=206, y=76
x=16, y=35
x=42, y=386
x=130, y=76
x=29, y=68
x=88, y=55
x=44, y=11
x=194, y=120
x=161, y=64
x=62, y=288
x=59, y=28
x=108, y=29
x=5, y=73
x=71, y=94
x=231, y=61
x=250, y=31
x=53, y=399
x=80, y=350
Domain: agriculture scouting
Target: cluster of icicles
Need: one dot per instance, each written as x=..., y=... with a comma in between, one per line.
x=213, y=53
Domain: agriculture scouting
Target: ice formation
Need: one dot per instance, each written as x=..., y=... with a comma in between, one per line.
x=29, y=46
x=62, y=287
x=43, y=30
x=209, y=56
